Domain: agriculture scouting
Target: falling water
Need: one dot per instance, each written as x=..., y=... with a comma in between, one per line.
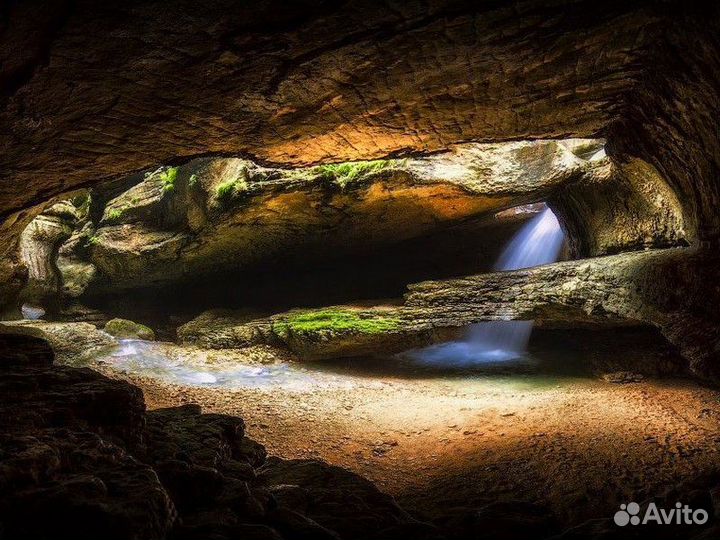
x=538, y=242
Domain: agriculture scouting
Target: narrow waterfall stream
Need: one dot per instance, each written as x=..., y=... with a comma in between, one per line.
x=538, y=242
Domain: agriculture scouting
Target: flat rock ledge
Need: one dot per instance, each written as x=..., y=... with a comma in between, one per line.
x=627, y=289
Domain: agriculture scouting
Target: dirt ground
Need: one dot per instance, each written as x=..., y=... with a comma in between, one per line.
x=576, y=445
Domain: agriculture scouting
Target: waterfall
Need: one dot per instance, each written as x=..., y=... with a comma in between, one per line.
x=538, y=242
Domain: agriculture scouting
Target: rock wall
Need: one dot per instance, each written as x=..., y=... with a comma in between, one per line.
x=39, y=245
x=228, y=215
x=297, y=85
x=634, y=209
x=671, y=119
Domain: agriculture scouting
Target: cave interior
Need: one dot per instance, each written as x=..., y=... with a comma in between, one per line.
x=359, y=270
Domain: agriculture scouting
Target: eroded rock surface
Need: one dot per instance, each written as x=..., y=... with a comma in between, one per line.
x=620, y=290
x=124, y=329
x=299, y=84
x=82, y=458
x=227, y=215
x=73, y=342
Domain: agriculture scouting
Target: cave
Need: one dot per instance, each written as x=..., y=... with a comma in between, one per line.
x=359, y=270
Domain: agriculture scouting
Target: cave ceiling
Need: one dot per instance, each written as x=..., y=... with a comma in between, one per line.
x=92, y=91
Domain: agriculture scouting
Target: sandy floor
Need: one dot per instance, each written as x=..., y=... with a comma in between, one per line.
x=578, y=445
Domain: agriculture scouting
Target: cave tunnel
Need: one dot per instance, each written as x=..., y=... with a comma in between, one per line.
x=359, y=270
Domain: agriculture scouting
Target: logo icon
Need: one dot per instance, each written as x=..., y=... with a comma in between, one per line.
x=628, y=513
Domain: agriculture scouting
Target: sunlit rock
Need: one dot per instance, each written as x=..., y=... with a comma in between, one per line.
x=125, y=329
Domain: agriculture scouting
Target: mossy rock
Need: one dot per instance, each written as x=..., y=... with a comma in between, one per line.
x=337, y=321
x=125, y=329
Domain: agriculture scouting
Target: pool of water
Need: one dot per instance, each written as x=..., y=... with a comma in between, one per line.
x=262, y=369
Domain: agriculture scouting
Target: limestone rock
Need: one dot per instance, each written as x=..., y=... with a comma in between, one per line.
x=74, y=343
x=317, y=334
x=125, y=329
x=66, y=484
x=221, y=215
x=357, y=81
x=628, y=289
x=333, y=497
x=39, y=244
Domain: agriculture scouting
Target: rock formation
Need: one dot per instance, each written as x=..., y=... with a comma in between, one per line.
x=82, y=458
x=221, y=215
x=216, y=217
x=274, y=83
x=628, y=289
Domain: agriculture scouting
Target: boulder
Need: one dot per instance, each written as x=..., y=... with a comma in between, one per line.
x=74, y=343
x=67, y=484
x=332, y=497
x=125, y=329
x=80, y=457
x=317, y=334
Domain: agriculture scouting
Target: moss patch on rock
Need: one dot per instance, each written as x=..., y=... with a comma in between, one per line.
x=336, y=321
x=167, y=179
x=125, y=329
x=345, y=173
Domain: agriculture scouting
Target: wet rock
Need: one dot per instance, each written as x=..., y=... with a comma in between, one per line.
x=317, y=334
x=125, y=329
x=74, y=343
x=590, y=293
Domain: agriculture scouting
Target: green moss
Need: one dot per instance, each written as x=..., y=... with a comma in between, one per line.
x=115, y=214
x=229, y=190
x=125, y=329
x=167, y=179
x=81, y=201
x=345, y=173
x=336, y=320
x=193, y=181
x=92, y=241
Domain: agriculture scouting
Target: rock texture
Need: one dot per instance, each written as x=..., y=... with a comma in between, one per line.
x=228, y=215
x=124, y=329
x=224, y=216
x=620, y=290
x=39, y=245
x=637, y=209
x=73, y=342
x=310, y=82
x=82, y=458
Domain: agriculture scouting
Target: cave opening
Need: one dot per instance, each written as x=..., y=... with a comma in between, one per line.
x=358, y=270
x=333, y=263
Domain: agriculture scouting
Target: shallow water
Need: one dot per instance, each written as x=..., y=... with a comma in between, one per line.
x=234, y=369
x=538, y=242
